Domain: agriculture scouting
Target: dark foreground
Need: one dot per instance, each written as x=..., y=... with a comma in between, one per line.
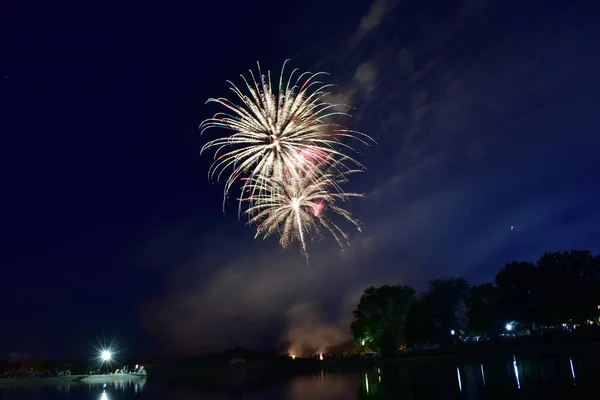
x=545, y=376
x=244, y=371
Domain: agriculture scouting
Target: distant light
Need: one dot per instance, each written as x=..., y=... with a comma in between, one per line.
x=452, y=331
x=509, y=327
x=362, y=342
x=105, y=355
x=293, y=356
x=321, y=356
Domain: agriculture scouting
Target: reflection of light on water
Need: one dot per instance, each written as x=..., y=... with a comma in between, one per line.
x=516, y=372
x=366, y=383
x=136, y=385
x=333, y=386
x=103, y=396
x=572, y=369
x=459, y=381
x=66, y=388
x=482, y=375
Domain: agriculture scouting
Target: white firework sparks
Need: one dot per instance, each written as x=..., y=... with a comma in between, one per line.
x=299, y=207
x=278, y=135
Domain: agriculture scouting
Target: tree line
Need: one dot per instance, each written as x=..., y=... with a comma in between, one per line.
x=559, y=288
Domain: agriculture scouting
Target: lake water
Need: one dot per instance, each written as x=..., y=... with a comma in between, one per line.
x=508, y=378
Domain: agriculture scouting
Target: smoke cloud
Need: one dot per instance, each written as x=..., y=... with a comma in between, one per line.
x=309, y=333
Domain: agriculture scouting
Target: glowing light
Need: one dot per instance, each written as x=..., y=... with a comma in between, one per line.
x=105, y=355
x=275, y=125
x=508, y=327
x=367, y=383
x=452, y=332
x=362, y=342
x=459, y=380
x=321, y=356
x=293, y=356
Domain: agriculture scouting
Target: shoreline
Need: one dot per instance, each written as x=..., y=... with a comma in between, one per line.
x=471, y=355
x=39, y=380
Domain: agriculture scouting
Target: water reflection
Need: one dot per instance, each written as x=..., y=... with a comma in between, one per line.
x=123, y=386
x=321, y=387
x=482, y=375
x=516, y=369
x=499, y=378
x=491, y=379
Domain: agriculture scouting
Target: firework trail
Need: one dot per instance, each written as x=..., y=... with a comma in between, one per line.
x=299, y=207
x=278, y=135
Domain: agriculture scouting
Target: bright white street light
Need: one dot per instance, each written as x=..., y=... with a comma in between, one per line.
x=509, y=327
x=105, y=355
x=452, y=332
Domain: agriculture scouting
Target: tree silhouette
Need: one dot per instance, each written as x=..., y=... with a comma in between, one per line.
x=380, y=317
x=566, y=287
x=559, y=287
x=515, y=291
x=482, y=309
x=419, y=323
x=446, y=300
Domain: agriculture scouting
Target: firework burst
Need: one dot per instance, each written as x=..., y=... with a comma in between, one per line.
x=299, y=207
x=278, y=134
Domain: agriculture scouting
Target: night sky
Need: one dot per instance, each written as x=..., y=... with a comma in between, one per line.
x=485, y=113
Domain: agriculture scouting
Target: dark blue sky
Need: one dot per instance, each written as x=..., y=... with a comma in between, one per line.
x=485, y=114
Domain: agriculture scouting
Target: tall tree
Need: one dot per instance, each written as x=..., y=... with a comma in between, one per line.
x=419, y=323
x=559, y=287
x=446, y=301
x=515, y=291
x=380, y=317
x=482, y=309
x=567, y=286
